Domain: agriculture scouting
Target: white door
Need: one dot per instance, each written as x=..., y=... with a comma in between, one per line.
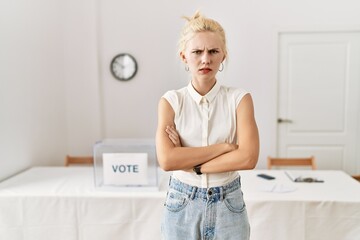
x=318, y=103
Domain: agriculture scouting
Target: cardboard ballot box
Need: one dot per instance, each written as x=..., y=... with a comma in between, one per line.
x=123, y=164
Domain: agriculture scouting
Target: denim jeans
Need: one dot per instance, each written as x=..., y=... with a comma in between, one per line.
x=193, y=213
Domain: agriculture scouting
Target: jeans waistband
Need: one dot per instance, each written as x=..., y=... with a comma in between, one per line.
x=196, y=192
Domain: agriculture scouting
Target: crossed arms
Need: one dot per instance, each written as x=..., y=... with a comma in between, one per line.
x=216, y=158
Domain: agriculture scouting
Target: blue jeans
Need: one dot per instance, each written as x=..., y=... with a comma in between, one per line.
x=193, y=213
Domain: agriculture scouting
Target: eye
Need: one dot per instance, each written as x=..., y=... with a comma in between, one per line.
x=213, y=51
x=197, y=52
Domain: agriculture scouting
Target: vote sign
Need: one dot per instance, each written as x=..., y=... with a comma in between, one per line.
x=125, y=168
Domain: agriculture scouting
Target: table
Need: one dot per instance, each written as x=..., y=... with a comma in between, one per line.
x=61, y=203
x=308, y=211
x=58, y=203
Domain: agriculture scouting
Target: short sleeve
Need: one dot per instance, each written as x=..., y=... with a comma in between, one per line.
x=173, y=100
x=239, y=93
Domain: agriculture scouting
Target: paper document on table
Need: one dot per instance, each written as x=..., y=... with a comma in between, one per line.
x=277, y=188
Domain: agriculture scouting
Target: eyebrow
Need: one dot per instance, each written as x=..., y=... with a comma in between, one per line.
x=202, y=49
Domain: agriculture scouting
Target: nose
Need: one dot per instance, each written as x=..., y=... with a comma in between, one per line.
x=205, y=58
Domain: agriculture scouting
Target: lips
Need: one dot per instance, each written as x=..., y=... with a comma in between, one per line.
x=205, y=70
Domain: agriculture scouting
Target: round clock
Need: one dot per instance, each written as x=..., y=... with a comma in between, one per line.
x=123, y=67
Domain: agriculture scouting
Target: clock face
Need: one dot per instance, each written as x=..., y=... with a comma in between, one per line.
x=123, y=67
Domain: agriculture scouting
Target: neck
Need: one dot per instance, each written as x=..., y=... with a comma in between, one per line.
x=203, y=87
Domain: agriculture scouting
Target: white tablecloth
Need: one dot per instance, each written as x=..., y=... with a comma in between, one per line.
x=55, y=203
x=303, y=211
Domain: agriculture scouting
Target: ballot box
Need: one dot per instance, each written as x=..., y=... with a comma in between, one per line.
x=125, y=164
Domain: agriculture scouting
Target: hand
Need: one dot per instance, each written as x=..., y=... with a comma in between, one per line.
x=190, y=170
x=233, y=147
x=173, y=135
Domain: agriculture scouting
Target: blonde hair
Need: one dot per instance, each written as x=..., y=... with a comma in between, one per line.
x=198, y=23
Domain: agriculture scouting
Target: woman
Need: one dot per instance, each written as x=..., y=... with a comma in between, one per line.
x=206, y=133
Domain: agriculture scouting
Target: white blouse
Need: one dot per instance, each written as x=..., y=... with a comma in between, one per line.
x=205, y=120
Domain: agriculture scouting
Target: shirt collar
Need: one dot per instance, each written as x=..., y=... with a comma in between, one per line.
x=209, y=96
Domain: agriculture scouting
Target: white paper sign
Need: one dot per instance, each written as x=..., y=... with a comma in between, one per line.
x=125, y=168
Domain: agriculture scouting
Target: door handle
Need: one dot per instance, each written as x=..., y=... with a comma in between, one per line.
x=280, y=120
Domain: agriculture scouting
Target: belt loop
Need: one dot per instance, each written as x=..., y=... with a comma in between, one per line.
x=222, y=194
x=194, y=189
x=169, y=181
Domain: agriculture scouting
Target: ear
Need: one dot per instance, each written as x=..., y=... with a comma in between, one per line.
x=183, y=57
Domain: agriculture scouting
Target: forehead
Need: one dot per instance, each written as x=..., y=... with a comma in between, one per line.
x=202, y=40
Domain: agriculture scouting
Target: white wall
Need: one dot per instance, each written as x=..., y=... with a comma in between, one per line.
x=32, y=89
x=81, y=76
x=64, y=99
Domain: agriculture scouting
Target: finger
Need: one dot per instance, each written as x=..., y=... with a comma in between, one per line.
x=172, y=132
x=174, y=137
x=174, y=140
x=169, y=129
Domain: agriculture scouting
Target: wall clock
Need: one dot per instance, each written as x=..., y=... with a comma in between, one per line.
x=123, y=67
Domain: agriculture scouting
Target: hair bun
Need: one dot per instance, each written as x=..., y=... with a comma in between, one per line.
x=195, y=16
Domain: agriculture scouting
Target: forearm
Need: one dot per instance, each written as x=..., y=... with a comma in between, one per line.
x=182, y=158
x=231, y=161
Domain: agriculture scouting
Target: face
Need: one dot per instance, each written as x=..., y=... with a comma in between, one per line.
x=203, y=55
